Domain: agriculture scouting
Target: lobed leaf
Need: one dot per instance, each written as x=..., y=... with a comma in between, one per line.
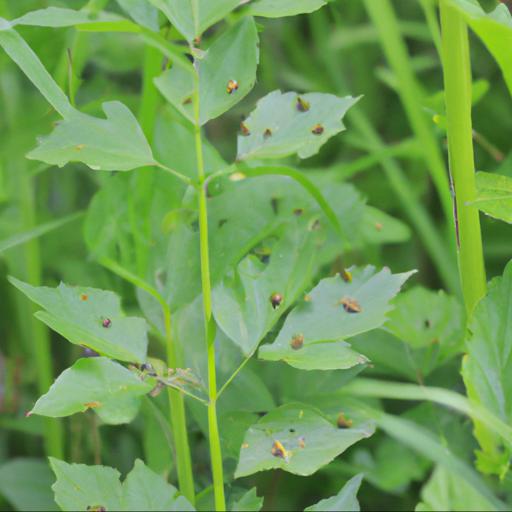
x=282, y=8
x=285, y=124
x=344, y=501
x=94, y=383
x=90, y=317
x=309, y=440
x=313, y=333
x=494, y=195
x=193, y=17
x=232, y=57
x=81, y=487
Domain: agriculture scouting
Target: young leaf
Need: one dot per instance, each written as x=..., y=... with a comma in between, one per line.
x=285, y=124
x=92, y=383
x=231, y=59
x=143, y=489
x=90, y=317
x=344, y=501
x=193, y=17
x=79, y=486
x=494, y=195
x=116, y=143
x=295, y=438
x=249, y=302
x=249, y=502
x=494, y=29
x=487, y=368
x=281, y=8
x=336, y=309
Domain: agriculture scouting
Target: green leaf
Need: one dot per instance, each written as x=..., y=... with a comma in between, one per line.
x=191, y=23
x=233, y=56
x=447, y=491
x=442, y=323
x=116, y=143
x=90, y=317
x=242, y=302
x=25, y=483
x=281, y=8
x=309, y=440
x=312, y=335
x=494, y=195
x=81, y=487
x=142, y=13
x=344, y=501
x=93, y=383
x=380, y=228
x=487, y=368
x=281, y=125
x=143, y=489
x=494, y=29
x=249, y=502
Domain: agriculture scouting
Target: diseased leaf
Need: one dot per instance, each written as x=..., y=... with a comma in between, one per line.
x=116, y=143
x=313, y=333
x=494, y=29
x=380, y=228
x=94, y=383
x=227, y=73
x=289, y=123
x=191, y=23
x=143, y=489
x=90, y=317
x=344, y=501
x=281, y=8
x=81, y=487
x=295, y=438
x=487, y=368
x=494, y=195
x=247, y=303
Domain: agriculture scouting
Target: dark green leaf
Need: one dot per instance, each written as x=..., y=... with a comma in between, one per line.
x=249, y=502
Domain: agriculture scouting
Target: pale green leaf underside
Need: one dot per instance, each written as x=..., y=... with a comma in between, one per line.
x=278, y=128
x=494, y=29
x=96, y=383
x=494, y=195
x=81, y=487
x=281, y=8
x=78, y=313
x=344, y=501
x=190, y=22
x=324, y=323
x=116, y=143
x=234, y=56
x=309, y=439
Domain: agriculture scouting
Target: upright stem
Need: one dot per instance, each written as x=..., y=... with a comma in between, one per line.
x=178, y=420
x=457, y=85
x=209, y=326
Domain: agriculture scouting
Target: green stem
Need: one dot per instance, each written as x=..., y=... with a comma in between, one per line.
x=178, y=419
x=209, y=323
x=384, y=19
x=457, y=80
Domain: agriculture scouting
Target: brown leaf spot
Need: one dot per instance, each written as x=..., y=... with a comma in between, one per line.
x=302, y=105
x=343, y=421
x=297, y=342
x=350, y=305
x=318, y=129
x=346, y=275
x=232, y=86
x=378, y=226
x=244, y=130
x=276, y=299
x=267, y=133
x=84, y=297
x=278, y=450
x=92, y=405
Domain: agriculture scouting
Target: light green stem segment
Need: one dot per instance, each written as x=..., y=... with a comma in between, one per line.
x=457, y=84
x=178, y=420
x=409, y=90
x=209, y=325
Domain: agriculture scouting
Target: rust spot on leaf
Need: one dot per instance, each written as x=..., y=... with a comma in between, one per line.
x=84, y=297
x=276, y=299
x=92, y=405
x=244, y=130
x=378, y=226
x=350, y=305
x=346, y=275
x=232, y=86
x=278, y=450
x=106, y=323
x=318, y=129
x=302, y=105
x=297, y=341
x=267, y=133
x=343, y=421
